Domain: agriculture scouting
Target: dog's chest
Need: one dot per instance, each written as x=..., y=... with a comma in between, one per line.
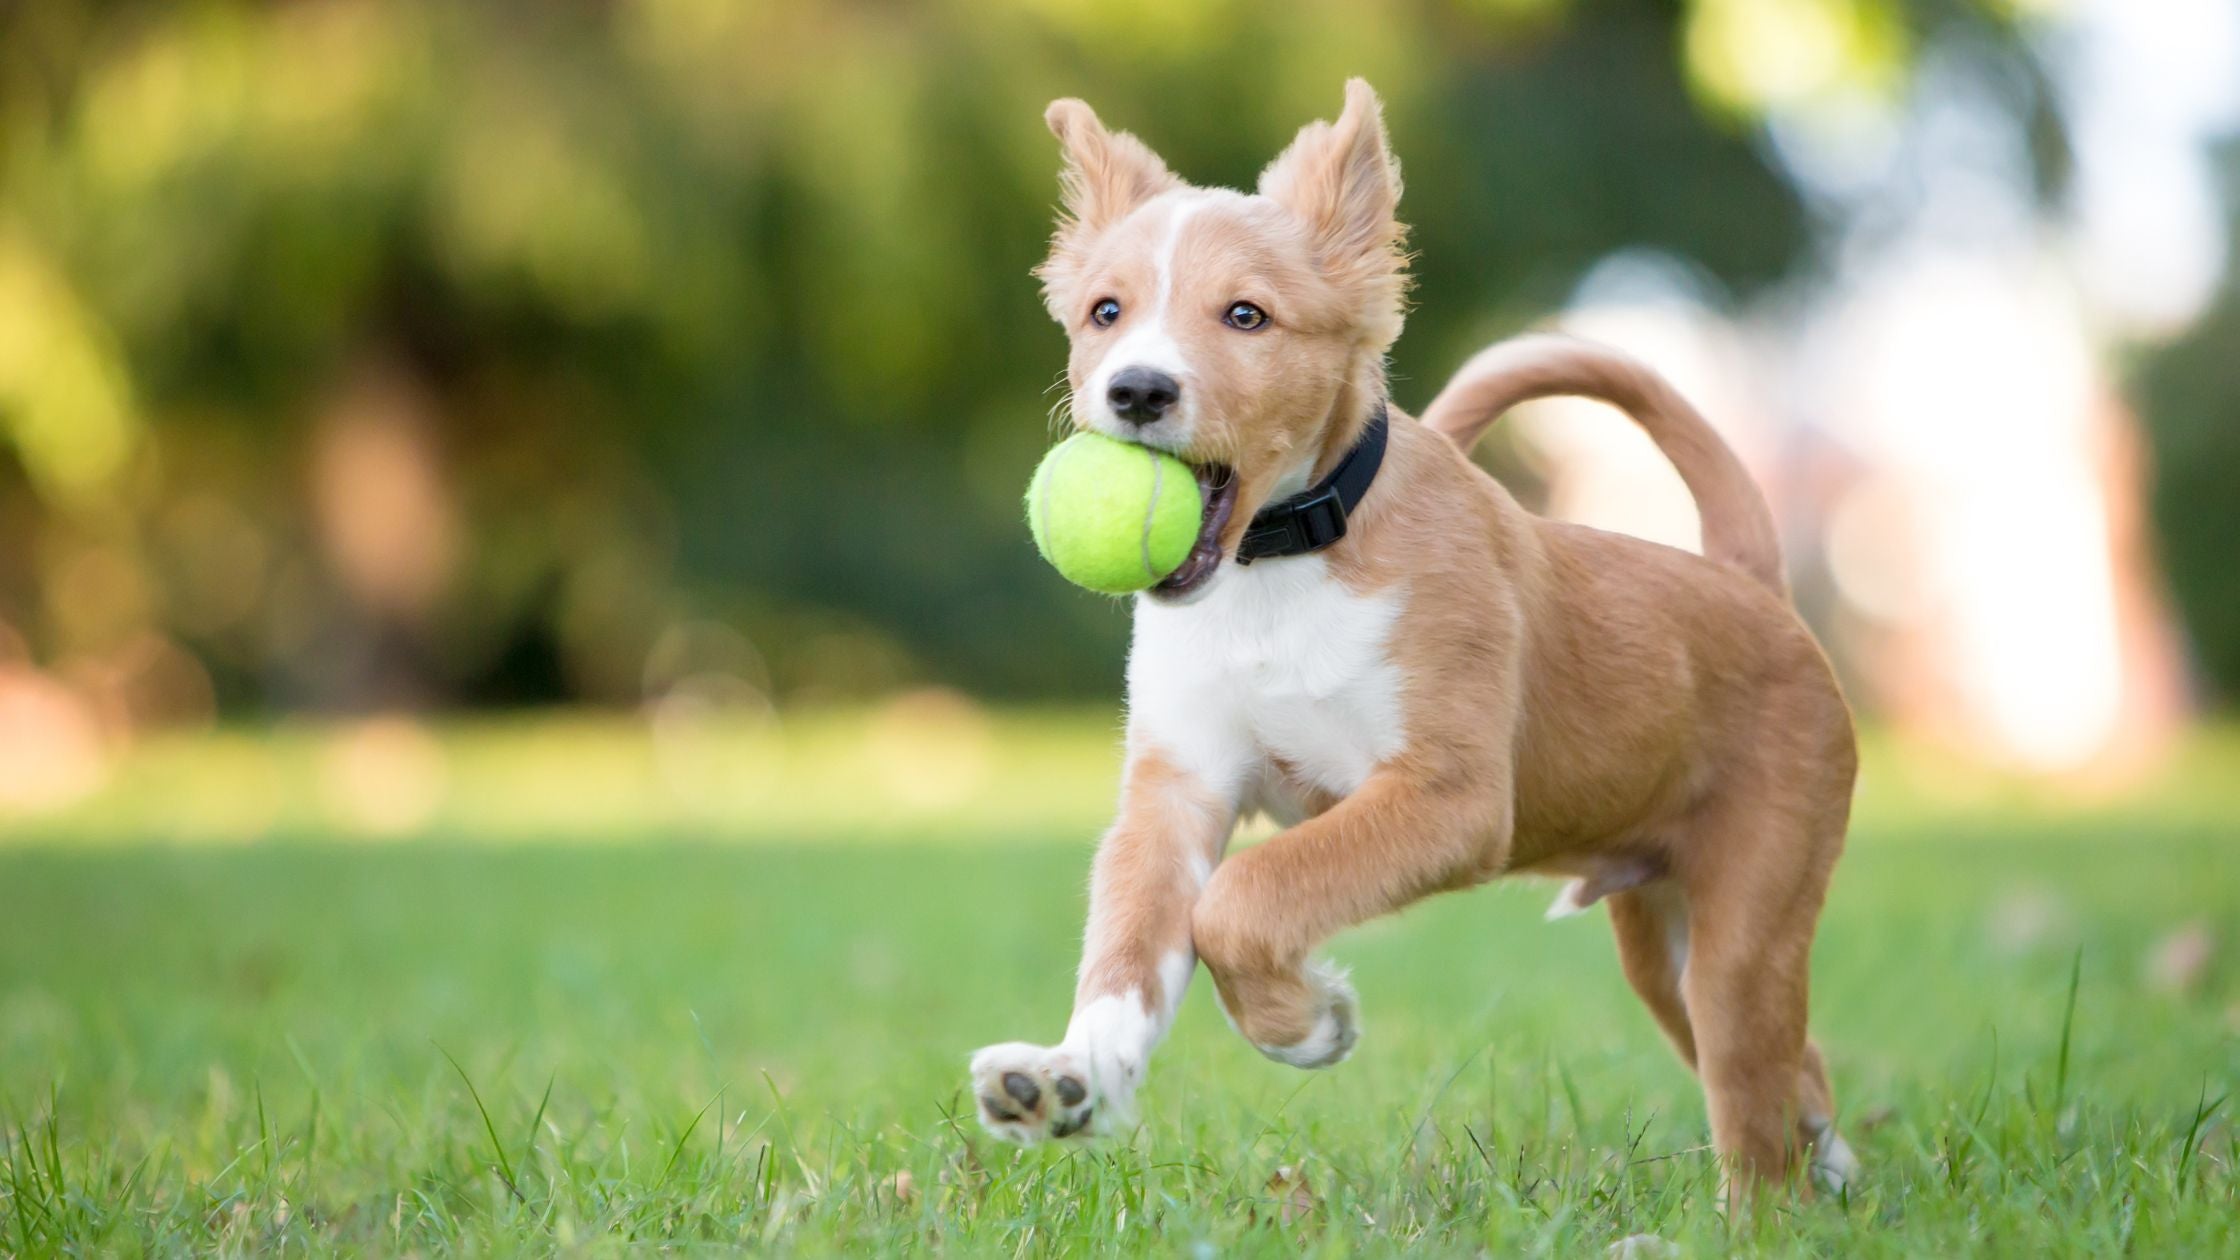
x=1278, y=671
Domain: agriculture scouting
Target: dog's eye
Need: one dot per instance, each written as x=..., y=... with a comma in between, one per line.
x=1104, y=312
x=1244, y=317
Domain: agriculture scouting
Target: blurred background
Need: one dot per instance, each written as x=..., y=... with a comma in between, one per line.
x=545, y=415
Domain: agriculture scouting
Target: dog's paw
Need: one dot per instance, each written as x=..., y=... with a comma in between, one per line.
x=1337, y=1025
x=1834, y=1167
x=1028, y=1094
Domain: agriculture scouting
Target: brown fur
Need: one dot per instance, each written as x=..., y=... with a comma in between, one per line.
x=1142, y=884
x=1574, y=701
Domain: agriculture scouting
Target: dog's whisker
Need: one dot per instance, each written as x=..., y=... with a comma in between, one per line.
x=1061, y=415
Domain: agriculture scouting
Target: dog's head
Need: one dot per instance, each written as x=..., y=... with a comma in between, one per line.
x=1244, y=333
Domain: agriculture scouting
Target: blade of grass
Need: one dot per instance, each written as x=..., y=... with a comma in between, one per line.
x=530, y=1146
x=2068, y=1026
x=264, y=1135
x=683, y=1138
x=18, y=1152
x=2202, y=1111
x=55, y=1172
x=1408, y=1151
x=785, y=1122
x=1571, y=1098
x=505, y=1165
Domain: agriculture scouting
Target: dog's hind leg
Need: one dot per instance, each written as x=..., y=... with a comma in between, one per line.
x=1745, y=990
x=1651, y=924
x=1833, y=1163
x=1756, y=870
x=1389, y=843
x=1652, y=930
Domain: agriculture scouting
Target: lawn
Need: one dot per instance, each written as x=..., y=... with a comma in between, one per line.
x=588, y=988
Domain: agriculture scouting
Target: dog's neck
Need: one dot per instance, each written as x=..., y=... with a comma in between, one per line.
x=1350, y=413
x=1315, y=518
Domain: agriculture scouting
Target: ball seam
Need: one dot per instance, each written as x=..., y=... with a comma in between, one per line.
x=1151, y=510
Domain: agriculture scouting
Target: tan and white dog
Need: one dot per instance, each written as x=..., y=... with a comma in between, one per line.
x=1453, y=691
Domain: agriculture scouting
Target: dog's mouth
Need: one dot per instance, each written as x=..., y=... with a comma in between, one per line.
x=1217, y=485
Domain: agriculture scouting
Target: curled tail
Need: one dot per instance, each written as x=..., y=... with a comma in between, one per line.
x=1737, y=525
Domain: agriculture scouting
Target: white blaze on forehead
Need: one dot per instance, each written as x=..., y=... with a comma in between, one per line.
x=1149, y=341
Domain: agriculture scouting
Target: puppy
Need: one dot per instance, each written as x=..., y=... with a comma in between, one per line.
x=1427, y=686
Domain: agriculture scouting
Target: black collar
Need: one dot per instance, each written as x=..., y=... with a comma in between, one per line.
x=1313, y=519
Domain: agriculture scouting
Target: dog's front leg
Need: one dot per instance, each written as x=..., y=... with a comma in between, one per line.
x=1396, y=839
x=1136, y=960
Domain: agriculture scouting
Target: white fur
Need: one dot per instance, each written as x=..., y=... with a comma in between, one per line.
x=1572, y=900
x=1295, y=478
x=1044, y=1066
x=1335, y=1029
x=1272, y=661
x=1200, y=866
x=1608, y=876
x=1149, y=340
x=1834, y=1166
x=1114, y=1036
x=1148, y=345
x=1276, y=662
x=1319, y=1049
x=1175, y=971
x=1276, y=797
x=1107, y=1046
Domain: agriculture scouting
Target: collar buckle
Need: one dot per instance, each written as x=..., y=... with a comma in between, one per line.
x=1305, y=524
x=1311, y=520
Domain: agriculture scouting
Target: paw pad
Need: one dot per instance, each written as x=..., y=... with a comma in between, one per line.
x=1032, y=1093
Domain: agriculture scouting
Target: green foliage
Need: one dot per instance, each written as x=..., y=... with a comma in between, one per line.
x=721, y=310
x=712, y=309
x=2191, y=412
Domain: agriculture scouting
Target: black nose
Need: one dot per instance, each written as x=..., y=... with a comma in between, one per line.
x=1141, y=395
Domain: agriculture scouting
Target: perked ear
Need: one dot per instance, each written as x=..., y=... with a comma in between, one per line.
x=1108, y=173
x=1344, y=184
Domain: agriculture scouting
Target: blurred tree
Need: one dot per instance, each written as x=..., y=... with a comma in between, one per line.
x=2191, y=402
x=609, y=317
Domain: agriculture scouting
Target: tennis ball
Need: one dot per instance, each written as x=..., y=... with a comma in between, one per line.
x=1113, y=516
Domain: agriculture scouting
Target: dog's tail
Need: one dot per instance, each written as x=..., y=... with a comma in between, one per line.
x=1737, y=525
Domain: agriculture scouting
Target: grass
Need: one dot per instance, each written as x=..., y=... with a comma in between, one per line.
x=724, y=1026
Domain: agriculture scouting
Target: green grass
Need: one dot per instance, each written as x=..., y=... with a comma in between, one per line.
x=729, y=1026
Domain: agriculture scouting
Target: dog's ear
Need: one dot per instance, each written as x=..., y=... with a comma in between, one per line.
x=1107, y=173
x=1344, y=184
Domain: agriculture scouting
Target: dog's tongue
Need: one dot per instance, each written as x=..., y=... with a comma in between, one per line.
x=1218, y=487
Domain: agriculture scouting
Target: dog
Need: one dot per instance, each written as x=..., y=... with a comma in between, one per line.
x=1427, y=686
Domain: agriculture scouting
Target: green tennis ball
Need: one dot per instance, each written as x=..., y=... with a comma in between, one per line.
x=1113, y=516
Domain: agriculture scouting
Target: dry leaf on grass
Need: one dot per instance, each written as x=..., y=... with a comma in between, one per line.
x=1294, y=1196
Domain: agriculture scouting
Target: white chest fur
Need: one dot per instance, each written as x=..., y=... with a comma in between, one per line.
x=1276, y=662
